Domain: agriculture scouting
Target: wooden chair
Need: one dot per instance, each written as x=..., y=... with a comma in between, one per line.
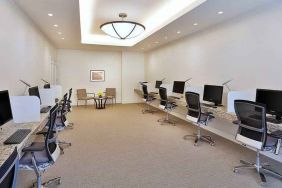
x=111, y=94
x=82, y=96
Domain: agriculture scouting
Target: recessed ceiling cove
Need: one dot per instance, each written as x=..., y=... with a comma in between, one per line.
x=153, y=14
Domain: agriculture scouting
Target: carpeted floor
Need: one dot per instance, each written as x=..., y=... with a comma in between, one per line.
x=119, y=147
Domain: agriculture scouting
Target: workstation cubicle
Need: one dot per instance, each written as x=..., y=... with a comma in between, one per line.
x=225, y=122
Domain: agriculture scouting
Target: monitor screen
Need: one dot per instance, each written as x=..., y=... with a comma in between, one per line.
x=178, y=87
x=47, y=86
x=272, y=99
x=5, y=107
x=158, y=84
x=34, y=91
x=213, y=94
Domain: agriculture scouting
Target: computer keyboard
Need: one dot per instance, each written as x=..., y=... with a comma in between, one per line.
x=45, y=109
x=17, y=137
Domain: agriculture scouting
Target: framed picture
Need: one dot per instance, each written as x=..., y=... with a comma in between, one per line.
x=97, y=75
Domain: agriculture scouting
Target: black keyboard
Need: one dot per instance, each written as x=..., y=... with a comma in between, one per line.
x=45, y=109
x=18, y=136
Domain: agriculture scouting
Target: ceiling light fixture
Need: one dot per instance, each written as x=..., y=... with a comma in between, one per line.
x=50, y=14
x=122, y=29
x=55, y=25
x=220, y=12
x=63, y=38
x=195, y=24
x=59, y=33
x=178, y=32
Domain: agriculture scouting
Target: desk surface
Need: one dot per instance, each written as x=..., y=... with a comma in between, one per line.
x=221, y=126
x=10, y=127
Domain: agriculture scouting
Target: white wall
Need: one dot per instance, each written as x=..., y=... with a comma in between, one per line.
x=24, y=52
x=73, y=70
x=132, y=74
x=247, y=49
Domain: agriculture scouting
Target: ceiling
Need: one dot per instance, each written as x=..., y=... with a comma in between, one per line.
x=66, y=15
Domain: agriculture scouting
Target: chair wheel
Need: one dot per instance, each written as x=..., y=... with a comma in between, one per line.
x=195, y=144
x=212, y=144
x=235, y=170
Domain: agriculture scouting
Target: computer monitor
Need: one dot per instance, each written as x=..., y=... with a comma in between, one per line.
x=47, y=86
x=5, y=107
x=158, y=84
x=34, y=91
x=273, y=101
x=213, y=94
x=178, y=87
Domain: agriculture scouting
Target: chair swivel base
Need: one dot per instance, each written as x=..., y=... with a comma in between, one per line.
x=259, y=169
x=149, y=111
x=62, y=144
x=50, y=183
x=198, y=138
x=164, y=121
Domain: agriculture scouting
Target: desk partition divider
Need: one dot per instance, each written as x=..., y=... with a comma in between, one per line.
x=25, y=109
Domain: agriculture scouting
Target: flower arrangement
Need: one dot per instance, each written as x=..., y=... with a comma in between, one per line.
x=100, y=93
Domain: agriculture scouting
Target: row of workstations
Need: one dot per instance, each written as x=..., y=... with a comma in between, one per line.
x=224, y=123
x=22, y=117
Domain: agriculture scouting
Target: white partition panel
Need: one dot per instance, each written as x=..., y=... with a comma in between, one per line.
x=58, y=91
x=47, y=96
x=25, y=109
x=244, y=95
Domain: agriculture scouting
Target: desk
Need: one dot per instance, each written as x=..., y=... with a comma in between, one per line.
x=222, y=125
x=10, y=127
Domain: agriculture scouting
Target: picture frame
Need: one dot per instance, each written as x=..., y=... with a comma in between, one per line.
x=97, y=75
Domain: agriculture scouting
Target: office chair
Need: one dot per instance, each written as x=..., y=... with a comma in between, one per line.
x=195, y=115
x=69, y=101
x=9, y=171
x=166, y=105
x=252, y=132
x=61, y=123
x=39, y=156
x=147, y=98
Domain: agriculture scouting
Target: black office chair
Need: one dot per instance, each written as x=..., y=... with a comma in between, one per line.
x=166, y=105
x=9, y=171
x=39, y=156
x=198, y=117
x=252, y=132
x=69, y=100
x=148, y=98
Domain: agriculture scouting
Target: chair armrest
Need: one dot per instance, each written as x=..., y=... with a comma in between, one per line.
x=33, y=149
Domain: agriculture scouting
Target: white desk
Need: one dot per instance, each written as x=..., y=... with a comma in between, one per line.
x=10, y=127
x=222, y=125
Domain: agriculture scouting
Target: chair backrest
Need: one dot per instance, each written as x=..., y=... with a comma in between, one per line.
x=163, y=96
x=70, y=93
x=111, y=92
x=50, y=142
x=81, y=93
x=193, y=106
x=9, y=170
x=145, y=91
x=252, y=129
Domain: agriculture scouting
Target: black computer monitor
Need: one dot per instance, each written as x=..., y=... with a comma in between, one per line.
x=47, y=86
x=5, y=107
x=34, y=91
x=213, y=94
x=158, y=84
x=178, y=87
x=273, y=101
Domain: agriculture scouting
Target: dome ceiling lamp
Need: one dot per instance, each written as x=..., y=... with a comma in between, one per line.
x=122, y=29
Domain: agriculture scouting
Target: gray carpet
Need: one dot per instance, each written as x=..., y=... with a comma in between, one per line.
x=119, y=147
